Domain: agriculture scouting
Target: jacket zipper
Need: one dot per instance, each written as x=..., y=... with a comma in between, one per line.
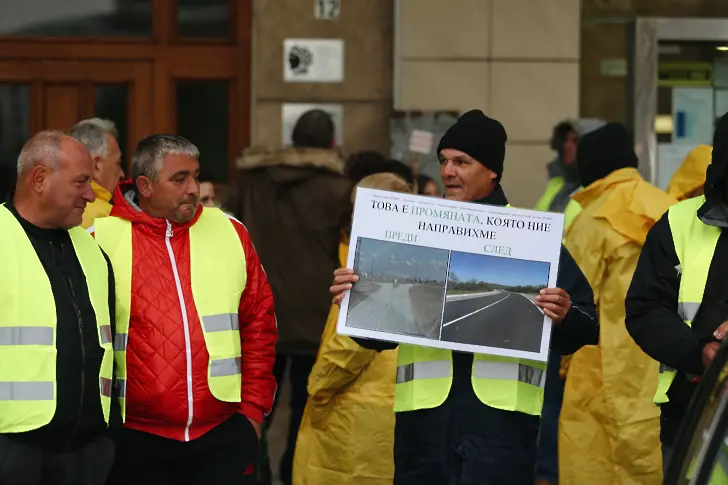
x=83, y=354
x=186, y=324
x=79, y=321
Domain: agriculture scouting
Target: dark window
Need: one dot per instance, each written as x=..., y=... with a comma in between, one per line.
x=54, y=18
x=110, y=102
x=203, y=18
x=202, y=118
x=14, y=131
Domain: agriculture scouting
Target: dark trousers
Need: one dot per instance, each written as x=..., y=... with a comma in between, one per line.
x=464, y=442
x=666, y=455
x=547, y=462
x=21, y=464
x=219, y=456
x=300, y=369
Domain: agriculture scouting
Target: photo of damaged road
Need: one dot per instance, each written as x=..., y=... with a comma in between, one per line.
x=401, y=288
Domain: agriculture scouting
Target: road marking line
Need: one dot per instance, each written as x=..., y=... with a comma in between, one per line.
x=533, y=302
x=467, y=296
x=476, y=311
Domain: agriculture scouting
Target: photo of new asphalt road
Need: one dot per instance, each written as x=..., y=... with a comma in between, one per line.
x=498, y=318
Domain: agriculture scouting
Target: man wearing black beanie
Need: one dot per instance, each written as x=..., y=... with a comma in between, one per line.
x=449, y=434
x=603, y=151
x=618, y=208
x=676, y=304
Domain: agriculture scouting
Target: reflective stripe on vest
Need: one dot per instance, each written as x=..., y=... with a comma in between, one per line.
x=28, y=327
x=218, y=278
x=694, y=245
x=424, y=378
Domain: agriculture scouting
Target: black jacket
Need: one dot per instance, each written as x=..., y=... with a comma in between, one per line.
x=579, y=328
x=78, y=418
x=652, y=319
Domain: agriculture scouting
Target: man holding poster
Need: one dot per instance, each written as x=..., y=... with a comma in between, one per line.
x=473, y=418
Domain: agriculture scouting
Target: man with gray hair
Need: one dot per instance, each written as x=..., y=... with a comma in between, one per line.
x=99, y=136
x=196, y=331
x=57, y=294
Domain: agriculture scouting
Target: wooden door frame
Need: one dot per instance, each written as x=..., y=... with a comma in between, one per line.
x=138, y=75
x=170, y=58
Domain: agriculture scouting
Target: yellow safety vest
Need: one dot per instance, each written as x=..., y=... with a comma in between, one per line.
x=28, y=327
x=553, y=187
x=424, y=378
x=695, y=244
x=218, y=275
x=719, y=475
x=573, y=208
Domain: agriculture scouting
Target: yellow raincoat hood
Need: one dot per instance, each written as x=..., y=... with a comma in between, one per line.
x=101, y=207
x=609, y=428
x=691, y=175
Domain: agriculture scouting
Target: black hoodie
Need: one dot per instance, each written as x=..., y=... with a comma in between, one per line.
x=579, y=328
x=652, y=319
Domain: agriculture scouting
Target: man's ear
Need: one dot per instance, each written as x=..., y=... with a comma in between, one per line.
x=144, y=186
x=493, y=175
x=96, y=159
x=38, y=176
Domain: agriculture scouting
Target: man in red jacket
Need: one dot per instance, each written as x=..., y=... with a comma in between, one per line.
x=195, y=326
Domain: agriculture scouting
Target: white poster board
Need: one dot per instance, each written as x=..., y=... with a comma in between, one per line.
x=452, y=275
x=313, y=60
x=292, y=111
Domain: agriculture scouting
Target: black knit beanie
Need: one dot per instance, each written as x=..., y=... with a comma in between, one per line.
x=604, y=151
x=481, y=137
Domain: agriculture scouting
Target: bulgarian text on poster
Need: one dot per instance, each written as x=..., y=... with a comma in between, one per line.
x=452, y=275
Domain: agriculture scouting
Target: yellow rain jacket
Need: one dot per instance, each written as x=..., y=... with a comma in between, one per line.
x=347, y=432
x=101, y=207
x=609, y=429
x=691, y=175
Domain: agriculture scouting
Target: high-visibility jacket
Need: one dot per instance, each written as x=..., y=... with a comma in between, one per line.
x=719, y=475
x=573, y=209
x=218, y=275
x=694, y=245
x=553, y=187
x=28, y=327
x=424, y=378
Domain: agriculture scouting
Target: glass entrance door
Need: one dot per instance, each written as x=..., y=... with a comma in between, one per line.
x=692, y=93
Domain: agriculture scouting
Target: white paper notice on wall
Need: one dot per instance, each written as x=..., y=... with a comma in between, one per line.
x=327, y=9
x=692, y=114
x=292, y=111
x=420, y=142
x=313, y=60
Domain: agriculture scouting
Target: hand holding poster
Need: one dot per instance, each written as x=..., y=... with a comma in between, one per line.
x=448, y=274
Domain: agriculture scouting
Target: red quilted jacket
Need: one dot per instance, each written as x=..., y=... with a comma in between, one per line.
x=162, y=375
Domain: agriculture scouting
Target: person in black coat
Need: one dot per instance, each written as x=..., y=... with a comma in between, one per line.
x=463, y=440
